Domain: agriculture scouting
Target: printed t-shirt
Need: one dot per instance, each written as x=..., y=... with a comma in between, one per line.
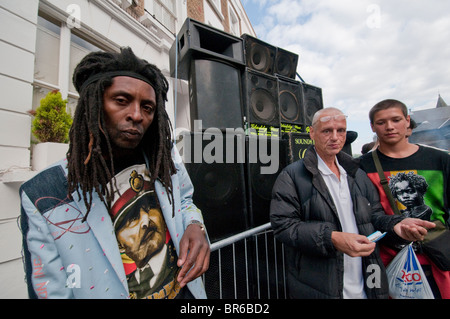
x=421, y=188
x=147, y=251
x=418, y=182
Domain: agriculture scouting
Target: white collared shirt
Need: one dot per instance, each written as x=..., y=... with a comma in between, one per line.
x=340, y=192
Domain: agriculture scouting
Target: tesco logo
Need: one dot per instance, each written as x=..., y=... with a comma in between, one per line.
x=411, y=276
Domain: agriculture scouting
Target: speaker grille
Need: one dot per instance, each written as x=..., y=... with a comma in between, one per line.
x=259, y=55
x=289, y=106
x=215, y=94
x=286, y=63
x=215, y=186
x=263, y=105
x=260, y=184
x=219, y=186
x=312, y=99
x=261, y=98
x=292, y=114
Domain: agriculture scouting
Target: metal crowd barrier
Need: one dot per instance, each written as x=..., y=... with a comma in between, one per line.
x=248, y=265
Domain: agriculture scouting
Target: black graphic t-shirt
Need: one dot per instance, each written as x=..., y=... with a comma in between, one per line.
x=147, y=251
x=419, y=183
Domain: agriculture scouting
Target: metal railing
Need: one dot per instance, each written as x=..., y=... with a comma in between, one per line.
x=249, y=265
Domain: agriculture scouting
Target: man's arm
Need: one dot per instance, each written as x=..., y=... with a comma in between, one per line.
x=354, y=245
x=43, y=265
x=413, y=229
x=286, y=216
x=194, y=254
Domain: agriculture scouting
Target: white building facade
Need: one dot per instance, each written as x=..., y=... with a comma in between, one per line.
x=41, y=41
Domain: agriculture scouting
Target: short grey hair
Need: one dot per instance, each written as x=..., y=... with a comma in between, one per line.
x=319, y=113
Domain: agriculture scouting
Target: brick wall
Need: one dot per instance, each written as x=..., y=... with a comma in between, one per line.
x=226, y=21
x=195, y=10
x=136, y=10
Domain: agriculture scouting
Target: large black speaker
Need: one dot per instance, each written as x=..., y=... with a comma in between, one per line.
x=259, y=55
x=261, y=99
x=290, y=97
x=266, y=157
x=233, y=177
x=297, y=145
x=286, y=63
x=215, y=94
x=198, y=40
x=312, y=100
x=219, y=181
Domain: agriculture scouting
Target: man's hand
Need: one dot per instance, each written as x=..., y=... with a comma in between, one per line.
x=413, y=229
x=194, y=254
x=354, y=245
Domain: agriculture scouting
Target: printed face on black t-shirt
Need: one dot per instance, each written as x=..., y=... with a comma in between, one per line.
x=143, y=233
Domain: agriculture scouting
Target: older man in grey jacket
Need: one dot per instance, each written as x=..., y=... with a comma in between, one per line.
x=323, y=208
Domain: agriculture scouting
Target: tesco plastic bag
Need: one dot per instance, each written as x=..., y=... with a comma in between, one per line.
x=406, y=277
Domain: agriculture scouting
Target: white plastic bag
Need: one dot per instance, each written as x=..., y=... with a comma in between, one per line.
x=406, y=277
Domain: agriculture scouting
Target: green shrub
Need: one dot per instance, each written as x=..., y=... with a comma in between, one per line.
x=51, y=121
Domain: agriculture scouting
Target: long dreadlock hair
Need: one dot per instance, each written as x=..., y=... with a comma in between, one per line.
x=89, y=141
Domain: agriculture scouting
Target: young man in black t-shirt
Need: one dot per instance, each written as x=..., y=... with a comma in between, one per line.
x=417, y=175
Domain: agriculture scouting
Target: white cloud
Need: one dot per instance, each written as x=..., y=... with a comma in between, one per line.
x=360, y=52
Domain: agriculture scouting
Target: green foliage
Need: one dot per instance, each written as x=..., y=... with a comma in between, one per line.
x=51, y=121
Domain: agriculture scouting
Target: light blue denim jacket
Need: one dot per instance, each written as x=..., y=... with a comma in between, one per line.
x=66, y=258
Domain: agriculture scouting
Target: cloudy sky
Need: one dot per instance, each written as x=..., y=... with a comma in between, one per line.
x=363, y=51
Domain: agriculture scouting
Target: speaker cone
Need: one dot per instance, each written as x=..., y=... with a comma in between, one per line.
x=216, y=185
x=261, y=58
x=263, y=105
x=286, y=63
x=289, y=106
x=312, y=106
x=283, y=65
x=312, y=97
x=259, y=55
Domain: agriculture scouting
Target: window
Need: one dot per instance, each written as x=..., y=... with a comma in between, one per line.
x=216, y=3
x=213, y=13
x=47, y=60
x=164, y=11
x=47, y=52
x=234, y=22
x=79, y=48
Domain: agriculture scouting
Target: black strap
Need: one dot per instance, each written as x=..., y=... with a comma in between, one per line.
x=384, y=182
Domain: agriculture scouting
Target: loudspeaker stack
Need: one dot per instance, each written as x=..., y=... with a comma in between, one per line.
x=254, y=115
x=211, y=60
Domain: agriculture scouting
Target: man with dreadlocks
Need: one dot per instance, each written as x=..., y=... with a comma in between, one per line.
x=116, y=218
